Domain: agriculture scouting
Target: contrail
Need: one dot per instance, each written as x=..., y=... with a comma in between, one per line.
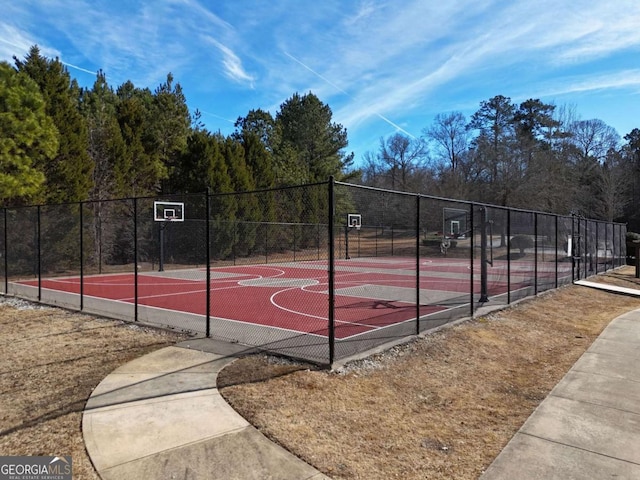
x=317, y=74
x=217, y=116
x=78, y=68
x=394, y=125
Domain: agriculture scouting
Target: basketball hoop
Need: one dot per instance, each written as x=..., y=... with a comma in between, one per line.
x=168, y=211
x=354, y=221
x=165, y=213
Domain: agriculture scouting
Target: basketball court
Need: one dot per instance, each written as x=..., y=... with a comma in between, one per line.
x=368, y=285
x=371, y=294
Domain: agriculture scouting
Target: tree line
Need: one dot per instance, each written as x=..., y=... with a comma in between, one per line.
x=533, y=155
x=62, y=143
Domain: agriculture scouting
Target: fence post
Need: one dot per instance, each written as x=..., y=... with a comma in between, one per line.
x=574, y=247
x=535, y=254
x=294, y=242
x=208, y=261
x=417, y=264
x=135, y=258
x=622, y=240
x=392, y=240
x=615, y=259
x=484, y=294
x=39, y=254
x=235, y=240
x=346, y=242
x=6, y=258
x=80, y=206
x=556, y=250
x=331, y=272
x=606, y=246
x=161, y=225
x=597, y=243
x=266, y=243
x=586, y=248
x=472, y=245
x=508, y=257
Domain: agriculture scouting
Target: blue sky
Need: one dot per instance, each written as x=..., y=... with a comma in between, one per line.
x=382, y=66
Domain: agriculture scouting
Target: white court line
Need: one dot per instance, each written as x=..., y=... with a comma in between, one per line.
x=279, y=273
x=280, y=307
x=129, y=302
x=344, y=322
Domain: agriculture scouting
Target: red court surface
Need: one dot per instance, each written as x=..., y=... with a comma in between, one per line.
x=370, y=295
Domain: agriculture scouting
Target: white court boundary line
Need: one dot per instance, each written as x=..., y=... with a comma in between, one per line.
x=239, y=284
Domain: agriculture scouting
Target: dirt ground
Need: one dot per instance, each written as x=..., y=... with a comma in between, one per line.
x=442, y=406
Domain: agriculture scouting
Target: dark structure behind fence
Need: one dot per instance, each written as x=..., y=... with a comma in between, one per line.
x=436, y=259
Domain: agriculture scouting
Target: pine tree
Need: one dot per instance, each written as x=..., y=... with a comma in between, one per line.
x=69, y=174
x=311, y=139
x=191, y=172
x=224, y=207
x=28, y=137
x=106, y=147
x=257, y=134
x=170, y=127
x=248, y=207
x=140, y=169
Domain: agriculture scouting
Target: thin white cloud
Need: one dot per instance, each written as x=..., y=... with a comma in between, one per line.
x=13, y=41
x=17, y=42
x=203, y=13
x=232, y=64
x=364, y=11
x=626, y=79
x=584, y=31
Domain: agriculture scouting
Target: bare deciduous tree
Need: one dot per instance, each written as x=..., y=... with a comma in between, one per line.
x=450, y=135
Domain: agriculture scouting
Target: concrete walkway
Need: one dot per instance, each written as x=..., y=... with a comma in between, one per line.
x=161, y=416
x=589, y=425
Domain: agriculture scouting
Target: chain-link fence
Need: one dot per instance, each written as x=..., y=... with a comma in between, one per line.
x=319, y=272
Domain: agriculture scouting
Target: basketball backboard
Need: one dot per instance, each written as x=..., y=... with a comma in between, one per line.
x=455, y=222
x=168, y=211
x=354, y=220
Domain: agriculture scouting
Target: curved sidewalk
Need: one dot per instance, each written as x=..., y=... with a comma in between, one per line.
x=161, y=416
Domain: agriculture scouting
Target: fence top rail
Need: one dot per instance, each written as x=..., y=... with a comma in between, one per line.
x=471, y=203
